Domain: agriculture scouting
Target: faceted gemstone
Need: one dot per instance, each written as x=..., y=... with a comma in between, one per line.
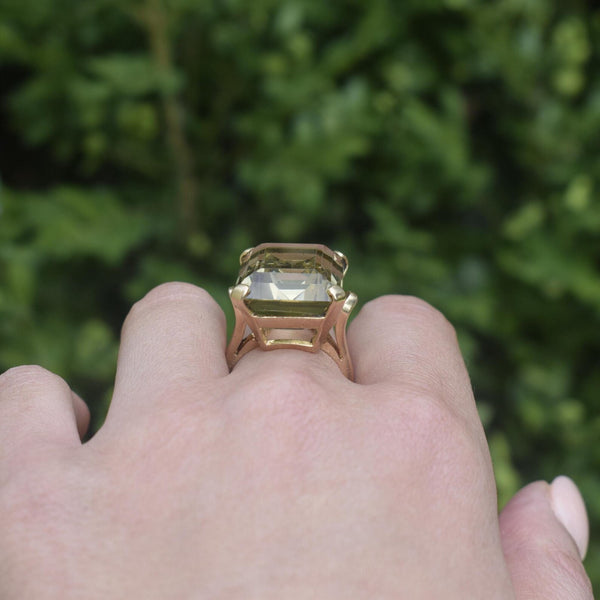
x=290, y=279
x=287, y=285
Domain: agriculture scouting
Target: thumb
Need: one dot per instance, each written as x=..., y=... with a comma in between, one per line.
x=544, y=530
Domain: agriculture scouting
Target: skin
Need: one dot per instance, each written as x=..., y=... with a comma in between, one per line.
x=281, y=479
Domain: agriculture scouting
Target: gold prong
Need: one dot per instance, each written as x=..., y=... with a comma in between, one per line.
x=239, y=292
x=336, y=293
x=341, y=260
x=245, y=255
x=350, y=303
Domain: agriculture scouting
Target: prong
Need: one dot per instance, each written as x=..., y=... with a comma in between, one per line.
x=245, y=255
x=239, y=292
x=350, y=303
x=340, y=259
x=336, y=293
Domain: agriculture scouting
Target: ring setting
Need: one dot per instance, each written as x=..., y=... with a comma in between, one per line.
x=291, y=296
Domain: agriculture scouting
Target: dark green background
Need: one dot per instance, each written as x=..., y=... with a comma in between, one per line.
x=449, y=148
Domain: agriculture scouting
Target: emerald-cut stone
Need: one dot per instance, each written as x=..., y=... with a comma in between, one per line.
x=290, y=279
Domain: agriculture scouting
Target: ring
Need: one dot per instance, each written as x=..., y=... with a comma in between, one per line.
x=291, y=296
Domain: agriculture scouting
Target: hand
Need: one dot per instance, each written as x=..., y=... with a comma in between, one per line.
x=281, y=480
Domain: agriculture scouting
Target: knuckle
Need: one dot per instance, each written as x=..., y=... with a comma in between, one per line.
x=289, y=384
x=290, y=393
x=289, y=414
x=27, y=376
x=413, y=309
x=173, y=291
x=171, y=294
x=429, y=415
x=443, y=436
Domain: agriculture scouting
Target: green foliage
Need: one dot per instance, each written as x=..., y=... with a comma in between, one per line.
x=449, y=147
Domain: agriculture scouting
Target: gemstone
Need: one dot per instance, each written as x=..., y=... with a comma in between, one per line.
x=290, y=279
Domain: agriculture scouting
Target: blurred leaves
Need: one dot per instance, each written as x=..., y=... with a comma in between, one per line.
x=133, y=75
x=448, y=147
x=70, y=222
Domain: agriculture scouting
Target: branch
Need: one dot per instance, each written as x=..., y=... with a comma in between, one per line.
x=153, y=17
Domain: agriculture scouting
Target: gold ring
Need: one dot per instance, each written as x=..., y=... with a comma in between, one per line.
x=291, y=296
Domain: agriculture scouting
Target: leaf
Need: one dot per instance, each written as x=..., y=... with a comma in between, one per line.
x=72, y=222
x=134, y=75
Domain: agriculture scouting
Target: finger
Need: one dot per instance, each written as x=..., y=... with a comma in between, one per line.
x=544, y=531
x=82, y=414
x=403, y=340
x=173, y=336
x=289, y=362
x=36, y=413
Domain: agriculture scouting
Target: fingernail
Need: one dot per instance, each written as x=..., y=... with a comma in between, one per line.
x=569, y=508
